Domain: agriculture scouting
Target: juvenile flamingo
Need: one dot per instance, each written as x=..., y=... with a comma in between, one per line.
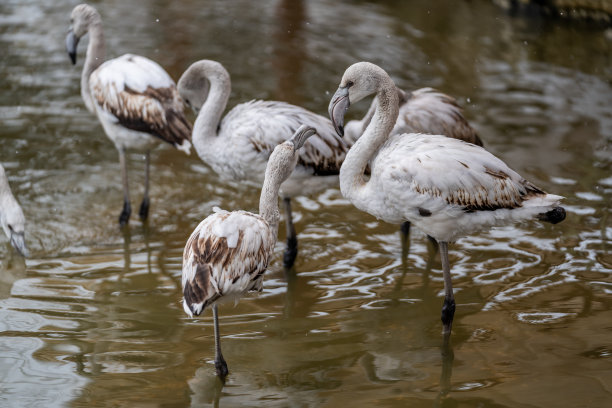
x=135, y=100
x=424, y=110
x=228, y=253
x=446, y=187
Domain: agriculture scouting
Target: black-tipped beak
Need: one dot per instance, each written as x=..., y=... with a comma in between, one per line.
x=338, y=106
x=18, y=242
x=71, y=45
x=301, y=135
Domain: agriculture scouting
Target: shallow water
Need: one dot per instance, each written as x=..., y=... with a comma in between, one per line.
x=93, y=317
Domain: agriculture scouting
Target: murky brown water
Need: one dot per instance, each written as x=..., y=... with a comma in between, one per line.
x=93, y=318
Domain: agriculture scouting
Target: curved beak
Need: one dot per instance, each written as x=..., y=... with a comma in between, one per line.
x=71, y=45
x=338, y=106
x=18, y=242
x=301, y=135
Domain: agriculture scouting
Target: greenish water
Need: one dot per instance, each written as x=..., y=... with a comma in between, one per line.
x=93, y=317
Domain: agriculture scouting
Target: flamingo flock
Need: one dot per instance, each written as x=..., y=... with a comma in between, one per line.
x=413, y=159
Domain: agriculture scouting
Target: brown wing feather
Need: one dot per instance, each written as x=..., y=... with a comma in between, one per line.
x=212, y=269
x=157, y=111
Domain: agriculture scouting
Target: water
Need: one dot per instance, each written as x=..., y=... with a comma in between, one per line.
x=93, y=317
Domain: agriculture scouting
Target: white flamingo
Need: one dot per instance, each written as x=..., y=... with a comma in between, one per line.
x=11, y=216
x=135, y=100
x=228, y=253
x=424, y=110
x=239, y=145
x=446, y=187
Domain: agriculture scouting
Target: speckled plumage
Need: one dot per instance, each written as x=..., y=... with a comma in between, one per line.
x=463, y=187
x=225, y=257
x=135, y=99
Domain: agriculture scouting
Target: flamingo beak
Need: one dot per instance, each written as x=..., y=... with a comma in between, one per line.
x=71, y=45
x=18, y=242
x=338, y=106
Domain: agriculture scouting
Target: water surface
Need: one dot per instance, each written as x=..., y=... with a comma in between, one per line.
x=93, y=317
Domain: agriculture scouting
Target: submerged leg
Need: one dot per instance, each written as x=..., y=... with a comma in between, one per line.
x=292, y=245
x=405, y=229
x=220, y=364
x=405, y=239
x=144, y=206
x=124, y=217
x=448, y=308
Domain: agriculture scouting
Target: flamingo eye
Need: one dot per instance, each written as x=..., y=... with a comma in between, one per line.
x=349, y=84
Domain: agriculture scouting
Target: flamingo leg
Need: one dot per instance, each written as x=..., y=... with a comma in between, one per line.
x=124, y=217
x=144, y=205
x=220, y=364
x=405, y=238
x=448, y=308
x=292, y=244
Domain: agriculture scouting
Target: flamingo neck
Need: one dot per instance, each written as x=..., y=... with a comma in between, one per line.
x=96, y=52
x=268, y=200
x=209, y=117
x=352, y=181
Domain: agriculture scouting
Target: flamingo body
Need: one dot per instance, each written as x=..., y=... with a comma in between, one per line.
x=446, y=187
x=225, y=257
x=138, y=104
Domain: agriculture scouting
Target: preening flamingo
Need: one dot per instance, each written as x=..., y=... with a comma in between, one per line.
x=228, y=253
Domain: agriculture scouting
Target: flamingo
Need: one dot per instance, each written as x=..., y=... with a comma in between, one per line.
x=11, y=216
x=446, y=187
x=228, y=253
x=239, y=145
x=134, y=98
x=424, y=110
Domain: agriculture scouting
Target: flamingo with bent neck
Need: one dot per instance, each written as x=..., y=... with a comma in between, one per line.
x=228, y=253
x=135, y=100
x=446, y=187
x=424, y=110
x=239, y=145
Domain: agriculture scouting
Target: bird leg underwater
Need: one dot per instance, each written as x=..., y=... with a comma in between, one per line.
x=292, y=245
x=124, y=217
x=448, y=308
x=220, y=364
x=144, y=205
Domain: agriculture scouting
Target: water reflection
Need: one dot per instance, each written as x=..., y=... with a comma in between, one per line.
x=94, y=317
x=12, y=268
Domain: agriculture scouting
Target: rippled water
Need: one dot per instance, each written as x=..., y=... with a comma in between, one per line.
x=93, y=317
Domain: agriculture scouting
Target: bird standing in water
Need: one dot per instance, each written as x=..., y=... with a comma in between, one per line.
x=134, y=98
x=228, y=253
x=446, y=187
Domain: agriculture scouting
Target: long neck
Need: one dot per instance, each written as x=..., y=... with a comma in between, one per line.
x=96, y=52
x=268, y=200
x=352, y=181
x=207, y=122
